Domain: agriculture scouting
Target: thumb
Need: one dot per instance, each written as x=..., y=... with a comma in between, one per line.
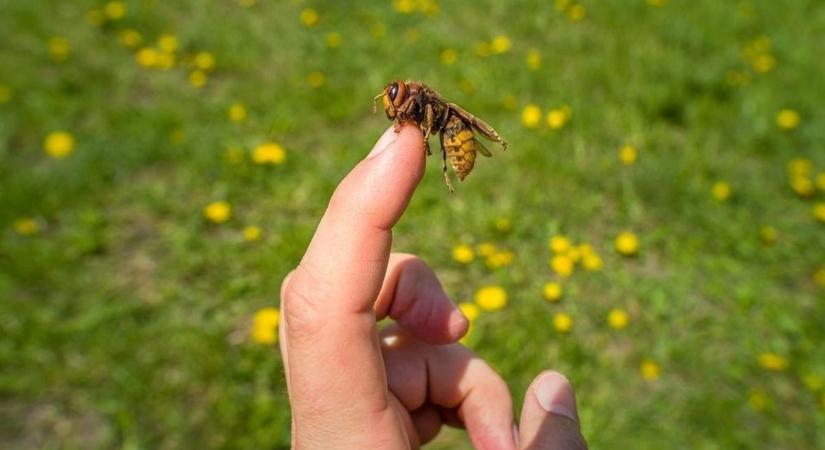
x=549, y=419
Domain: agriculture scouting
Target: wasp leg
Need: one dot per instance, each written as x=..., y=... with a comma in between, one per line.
x=427, y=127
x=444, y=166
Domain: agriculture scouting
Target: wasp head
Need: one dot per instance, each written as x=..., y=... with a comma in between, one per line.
x=392, y=97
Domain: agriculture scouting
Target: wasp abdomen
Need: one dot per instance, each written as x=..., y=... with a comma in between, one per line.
x=459, y=143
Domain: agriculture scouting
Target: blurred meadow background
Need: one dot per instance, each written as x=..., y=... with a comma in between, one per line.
x=656, y=229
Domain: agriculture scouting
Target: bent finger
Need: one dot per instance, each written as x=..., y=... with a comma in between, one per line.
x=549, y=418
x=453, y=378
x=414, y=298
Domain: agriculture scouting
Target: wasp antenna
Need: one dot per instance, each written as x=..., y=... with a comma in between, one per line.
x=374, y=100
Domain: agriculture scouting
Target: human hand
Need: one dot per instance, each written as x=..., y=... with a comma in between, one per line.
x=351, y=387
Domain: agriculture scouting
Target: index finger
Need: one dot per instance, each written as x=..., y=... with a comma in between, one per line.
x=332, y=352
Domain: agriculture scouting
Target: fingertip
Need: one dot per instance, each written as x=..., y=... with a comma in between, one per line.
x=549, y=417
x=457, y=325
x=554, y=394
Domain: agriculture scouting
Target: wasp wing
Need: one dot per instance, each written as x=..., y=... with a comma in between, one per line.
x=479, y=125
x=482, y=149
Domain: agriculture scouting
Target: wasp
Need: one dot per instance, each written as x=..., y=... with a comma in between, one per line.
x=457, y=128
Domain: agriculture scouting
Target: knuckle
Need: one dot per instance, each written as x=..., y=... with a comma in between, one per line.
x=303, y=314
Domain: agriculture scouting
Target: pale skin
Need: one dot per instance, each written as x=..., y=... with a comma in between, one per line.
x=353, y=386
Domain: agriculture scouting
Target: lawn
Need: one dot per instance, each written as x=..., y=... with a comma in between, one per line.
x=655, y=230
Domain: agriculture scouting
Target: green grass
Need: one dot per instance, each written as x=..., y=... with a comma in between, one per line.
x=125, y=318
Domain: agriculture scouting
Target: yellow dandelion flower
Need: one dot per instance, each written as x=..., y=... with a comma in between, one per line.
x=114, y=10
x=813, y=381
x=502, y=224
x=574, y=254
x=586, y=249
x=59, y=144
x=819, y=211
x=26, y=226
x=562, y=265
x=557, y=118
x=463, y=253
x=562, y=322
x=308, y=17
x=265, y=326
x=627, y=154
x=147, y=57
x=5, y=94
x=486, y=249
x=592, y=262
x=252, y=233
x=819, y=277
x=768, y=234
x=649, y=370
x=562, y=5
x=168, y=43
x=553, y=291
x=763, y=63
x=761, y=44
x=247, y=3
x=268, y=153
x=499, y=259
x=758, y=400
x=720, y=191
x=316, y=79
x=449, y=56
x=576, y=13
x=800, y=167
x=59, y=48
x=198, y=78
x=217, y=212
x=772, y=361
x=787, y=119
x=533, y=59
x=204, y=61
x=802, y=185
x=820, y=177
x=559, y=243
x=333, y=39
x=470, y=310
x=237, y=112
x=531, y=116
x=656, y=3
x=627, y=243
x=165, y=60
x=130, y=38
x=500, y=44
x=404, y=6
x=429, y=7
x=491, y=298
x=617, y=318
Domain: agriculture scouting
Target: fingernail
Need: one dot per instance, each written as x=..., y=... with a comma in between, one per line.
x=555, y=395
x=384, y=141
x=458, y=323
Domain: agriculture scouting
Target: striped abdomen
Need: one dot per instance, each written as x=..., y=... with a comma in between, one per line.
x=458, y=141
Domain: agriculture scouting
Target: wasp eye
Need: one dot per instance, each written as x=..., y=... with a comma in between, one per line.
x=393, y=91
